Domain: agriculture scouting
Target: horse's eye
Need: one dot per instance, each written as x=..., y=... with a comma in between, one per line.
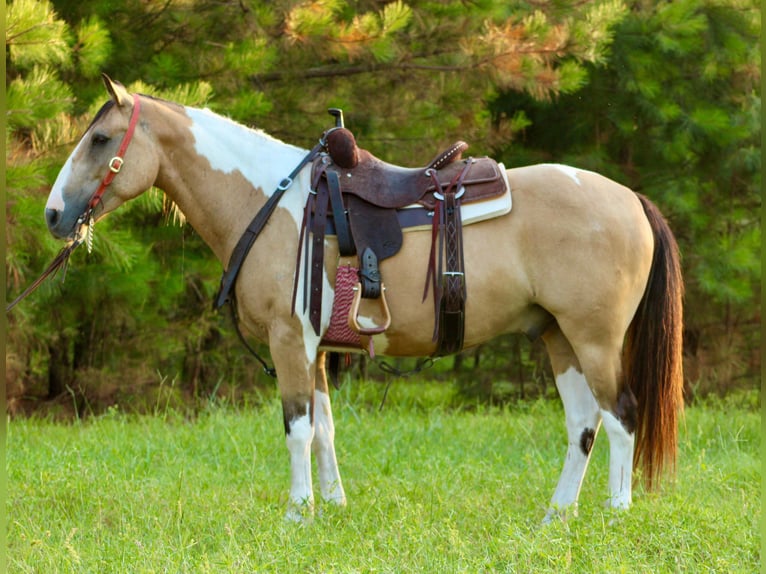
x=99, y=139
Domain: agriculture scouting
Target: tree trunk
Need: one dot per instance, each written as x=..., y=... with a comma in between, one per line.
x=59, y=367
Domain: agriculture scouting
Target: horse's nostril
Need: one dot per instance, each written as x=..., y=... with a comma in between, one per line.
x=52, y=216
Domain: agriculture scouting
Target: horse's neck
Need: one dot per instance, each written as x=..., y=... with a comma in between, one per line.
x=222, y=175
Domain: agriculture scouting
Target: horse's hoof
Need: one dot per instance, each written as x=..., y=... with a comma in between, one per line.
x=560, y=515
x=299, y=513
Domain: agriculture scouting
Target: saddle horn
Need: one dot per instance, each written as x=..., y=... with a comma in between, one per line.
x=337, y=113
x=340, y=142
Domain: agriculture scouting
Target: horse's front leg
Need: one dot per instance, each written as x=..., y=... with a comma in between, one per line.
x=296, y=368
x=324, y=440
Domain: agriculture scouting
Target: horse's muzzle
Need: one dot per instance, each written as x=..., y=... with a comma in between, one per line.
x=58, y=225
x=52, y=217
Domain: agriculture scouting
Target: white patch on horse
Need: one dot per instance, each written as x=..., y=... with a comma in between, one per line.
x=569, y=171
x=582, y=415
x=324, y=450
x=310, y=339
x=299, y=444
x=253, y=155
x=56, y=197
x=621, y=446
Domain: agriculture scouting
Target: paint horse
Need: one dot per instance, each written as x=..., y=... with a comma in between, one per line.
x=584, y=262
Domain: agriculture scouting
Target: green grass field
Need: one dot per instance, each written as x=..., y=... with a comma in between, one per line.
x=431, y=488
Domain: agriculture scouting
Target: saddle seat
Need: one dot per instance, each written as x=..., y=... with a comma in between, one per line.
x=394, y=187
x=383, y=184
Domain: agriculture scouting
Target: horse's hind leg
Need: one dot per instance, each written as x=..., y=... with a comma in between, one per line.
x=324, y=440
x=582, y=422
x=602, y=367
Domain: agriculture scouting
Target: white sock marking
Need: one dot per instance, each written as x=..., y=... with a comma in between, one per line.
x=621, y=445
x=324, y=450
x=299, y=444
x=582, y=413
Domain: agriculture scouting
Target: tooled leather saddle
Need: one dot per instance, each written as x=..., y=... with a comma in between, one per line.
x=366, y=202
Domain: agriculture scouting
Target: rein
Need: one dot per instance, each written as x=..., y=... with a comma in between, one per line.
x=59, y=262
x=115, y=165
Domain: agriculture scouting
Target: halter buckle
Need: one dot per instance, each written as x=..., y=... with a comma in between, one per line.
x=115, y=164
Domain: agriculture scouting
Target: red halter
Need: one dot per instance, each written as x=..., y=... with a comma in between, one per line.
x=115, y=164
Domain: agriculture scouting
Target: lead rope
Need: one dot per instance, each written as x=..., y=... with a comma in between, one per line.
x=270, y=371
x=115, y=164
x=388, y=368
x=59, y=262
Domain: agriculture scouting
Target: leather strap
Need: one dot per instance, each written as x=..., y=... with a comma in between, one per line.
x=452, y=305
x=342, y=229
x=446, y=269
x=115, y=164
x=318, y=225
x=254, y=229
x=369, y=274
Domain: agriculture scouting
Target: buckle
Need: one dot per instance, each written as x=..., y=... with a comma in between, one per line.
x=115, y=164
x=458, y=195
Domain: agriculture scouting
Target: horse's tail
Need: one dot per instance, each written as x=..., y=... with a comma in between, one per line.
x=653, y=354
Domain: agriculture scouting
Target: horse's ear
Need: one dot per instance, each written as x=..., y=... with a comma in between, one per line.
x=118, y=92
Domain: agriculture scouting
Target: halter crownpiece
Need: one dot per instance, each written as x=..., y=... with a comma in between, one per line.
x=116, y=163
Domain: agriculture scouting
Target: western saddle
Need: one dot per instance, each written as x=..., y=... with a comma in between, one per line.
x=366, y=202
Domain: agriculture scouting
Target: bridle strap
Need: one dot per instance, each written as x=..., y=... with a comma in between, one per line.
x=115, y=164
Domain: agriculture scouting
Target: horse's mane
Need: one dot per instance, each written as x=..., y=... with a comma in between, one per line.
x=101, y=113
x=109, y=104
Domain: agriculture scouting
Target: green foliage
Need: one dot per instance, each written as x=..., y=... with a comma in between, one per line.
x=672, y=114
x=323, y=23
x=660, y=95
x=93, y=46
x=48, y=95
x=35, y=36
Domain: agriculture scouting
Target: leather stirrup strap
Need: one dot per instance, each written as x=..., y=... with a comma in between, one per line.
x=452, y=305
x=342, y=229
x=318, y=226
x=447, y=271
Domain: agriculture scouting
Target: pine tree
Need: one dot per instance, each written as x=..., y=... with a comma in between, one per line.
x=675, y=114
x=660, y=95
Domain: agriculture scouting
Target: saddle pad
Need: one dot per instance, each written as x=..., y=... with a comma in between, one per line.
x=473, y=212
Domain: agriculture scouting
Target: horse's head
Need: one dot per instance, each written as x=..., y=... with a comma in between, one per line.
x=115, y=161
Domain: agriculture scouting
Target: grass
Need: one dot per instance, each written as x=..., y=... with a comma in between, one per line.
x=431, y=488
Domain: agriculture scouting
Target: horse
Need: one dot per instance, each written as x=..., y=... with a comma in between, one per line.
x=581, y=261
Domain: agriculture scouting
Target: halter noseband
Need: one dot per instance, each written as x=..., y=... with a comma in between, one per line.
x=115, y=164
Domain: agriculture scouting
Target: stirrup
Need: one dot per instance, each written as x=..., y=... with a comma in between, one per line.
x=353, y=314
